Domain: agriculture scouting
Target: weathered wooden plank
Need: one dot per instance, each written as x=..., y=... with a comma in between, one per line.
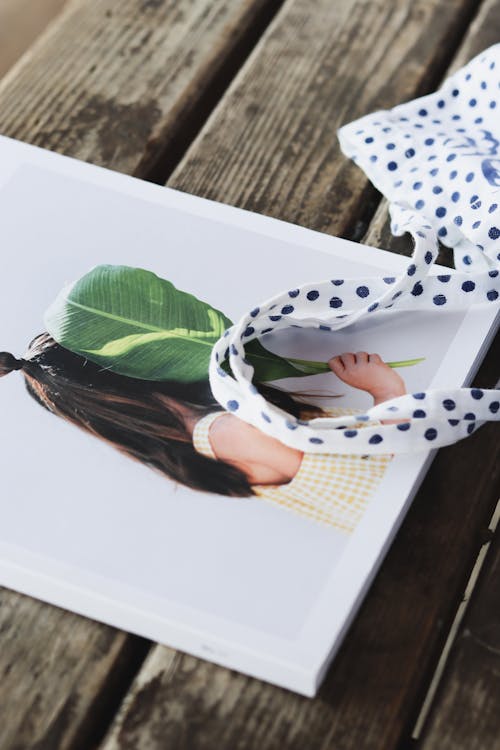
x=465, y=714
x=122, y=84
x=21, y=21
x=118, y=83
x=271, y=147
x=53, y=668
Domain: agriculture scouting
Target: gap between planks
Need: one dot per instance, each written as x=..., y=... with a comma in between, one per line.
x=455, y=626
x=464, y=713
x=127, y=96
x=168, y=159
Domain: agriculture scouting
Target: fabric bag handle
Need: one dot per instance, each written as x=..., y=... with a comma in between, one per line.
x=454, y=211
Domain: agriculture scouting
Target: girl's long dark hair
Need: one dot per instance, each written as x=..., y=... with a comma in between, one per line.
x=138, y=417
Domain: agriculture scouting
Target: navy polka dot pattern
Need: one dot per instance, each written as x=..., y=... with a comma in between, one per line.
x=463, y=131
x=437, y=160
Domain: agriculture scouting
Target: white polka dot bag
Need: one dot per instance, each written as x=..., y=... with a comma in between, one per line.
x=437, y=160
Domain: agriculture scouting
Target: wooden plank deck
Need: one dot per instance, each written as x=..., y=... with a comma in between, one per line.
x=101, y=85
x=465, y=711
x=126, y=84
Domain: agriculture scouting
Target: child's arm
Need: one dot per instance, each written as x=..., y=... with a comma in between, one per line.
x=263, y=459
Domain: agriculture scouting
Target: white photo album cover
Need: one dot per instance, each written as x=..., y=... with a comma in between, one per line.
x=137, y=500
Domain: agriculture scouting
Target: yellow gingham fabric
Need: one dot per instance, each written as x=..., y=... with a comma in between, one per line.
x=329, y=488
x=200, y=434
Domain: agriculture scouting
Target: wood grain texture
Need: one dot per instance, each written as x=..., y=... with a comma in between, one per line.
x=118, y=83
x=270, y=146
x=465, y=714
x=54, y=667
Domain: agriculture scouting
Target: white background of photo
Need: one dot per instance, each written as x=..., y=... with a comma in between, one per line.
x=239, y=581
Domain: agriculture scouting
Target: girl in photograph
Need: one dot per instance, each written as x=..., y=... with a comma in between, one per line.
x=179, y=430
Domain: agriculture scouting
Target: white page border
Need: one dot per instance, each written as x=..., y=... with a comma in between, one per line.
x=296, y=664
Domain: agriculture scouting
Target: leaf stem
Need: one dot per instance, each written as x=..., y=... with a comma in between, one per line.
x=311, y=367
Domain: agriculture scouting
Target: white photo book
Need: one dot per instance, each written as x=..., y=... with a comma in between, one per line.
x=138, y=501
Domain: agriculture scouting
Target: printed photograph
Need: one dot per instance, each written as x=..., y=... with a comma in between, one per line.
x=126, y=358
x=126, y=478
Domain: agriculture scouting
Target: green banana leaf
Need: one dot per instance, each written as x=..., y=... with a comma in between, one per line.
x=135, y=323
